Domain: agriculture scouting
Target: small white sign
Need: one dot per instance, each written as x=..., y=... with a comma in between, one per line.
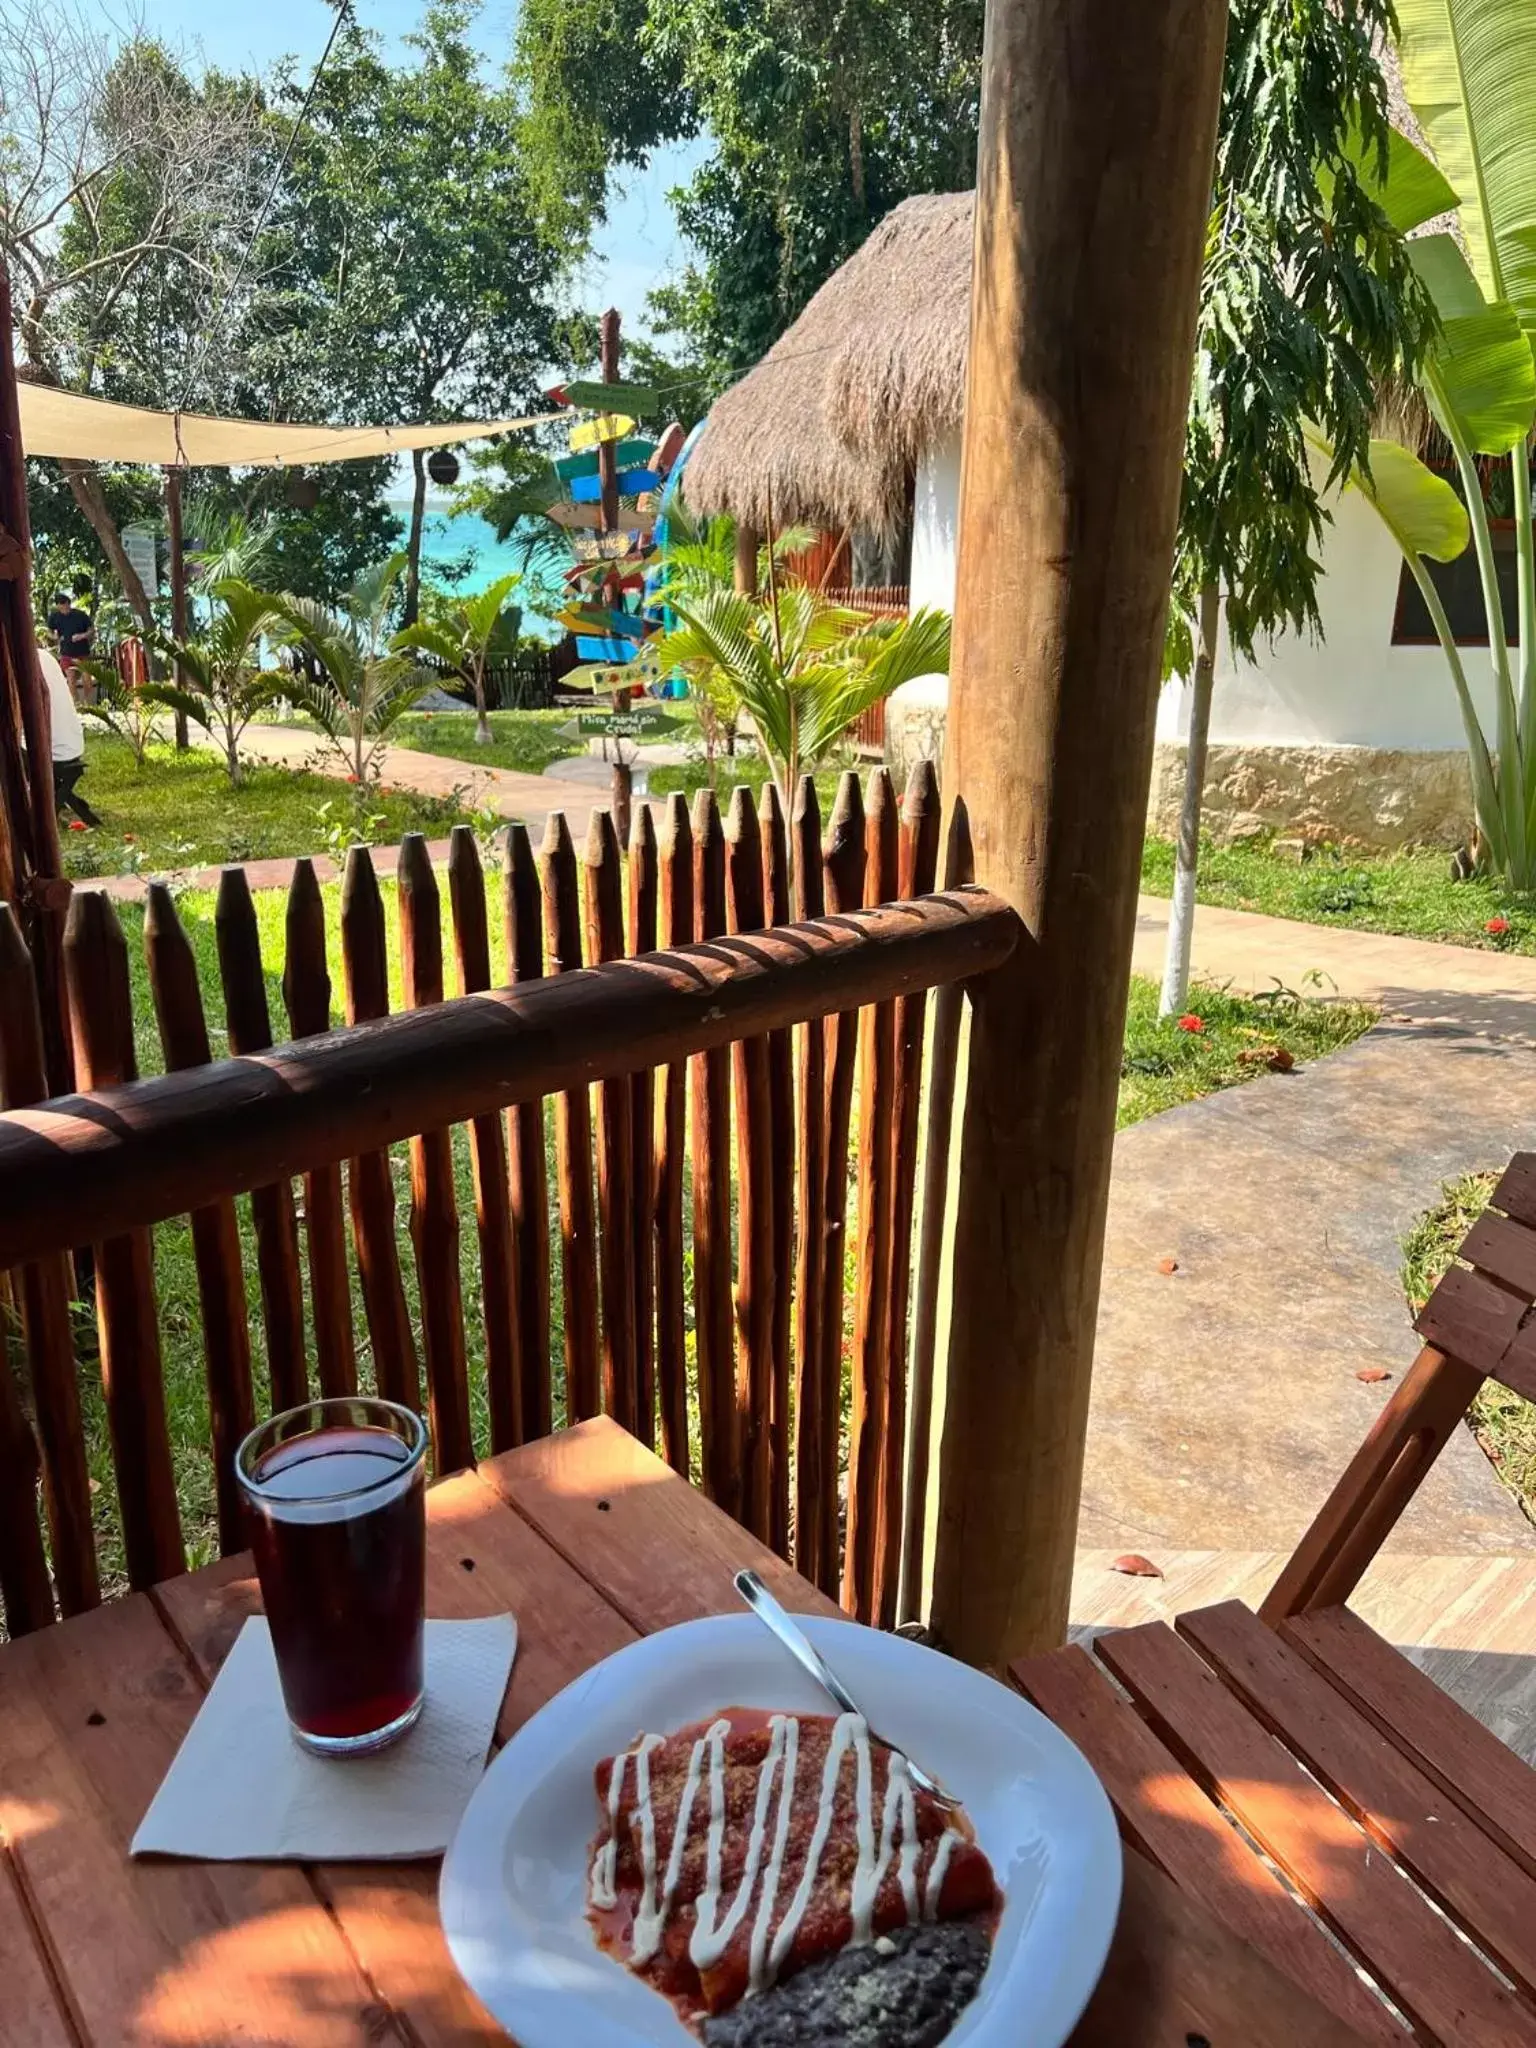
x=139, y=546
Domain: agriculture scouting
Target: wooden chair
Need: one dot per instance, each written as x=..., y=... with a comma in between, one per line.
x=1289, y=1778
x=1477, y=1326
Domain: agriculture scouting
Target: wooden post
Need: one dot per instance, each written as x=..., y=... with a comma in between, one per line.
x=178, y=568
x=31, y=868
x=1093, y=190
x=607, y=451
x=746, y=559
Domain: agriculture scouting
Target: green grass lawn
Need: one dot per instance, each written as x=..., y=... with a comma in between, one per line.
x=179, y=811
x=1411, y=893
x=524, y=740
x=1163, y=1066
x=1240, y=1037
x=1503, y=1423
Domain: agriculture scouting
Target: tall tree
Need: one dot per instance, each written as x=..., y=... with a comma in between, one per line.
x=1309, y=303
x=821, y=120
x=408, y=258
x=127, y=195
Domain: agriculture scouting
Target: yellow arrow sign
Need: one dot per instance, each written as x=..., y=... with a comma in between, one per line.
x=608, y=426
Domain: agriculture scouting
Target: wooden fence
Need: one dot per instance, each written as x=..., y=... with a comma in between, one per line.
x=693, y=1109
x=883, y=601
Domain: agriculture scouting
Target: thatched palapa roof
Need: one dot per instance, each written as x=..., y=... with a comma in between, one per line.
x=827, y=428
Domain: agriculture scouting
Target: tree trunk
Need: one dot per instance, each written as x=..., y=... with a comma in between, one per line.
x=85, y=488
x=178, y=586
x=412, y=603
x=1093, y=189
x=1181, y=916
x=484, y=737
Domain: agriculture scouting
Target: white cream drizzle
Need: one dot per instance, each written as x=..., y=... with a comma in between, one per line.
x=714, y=1933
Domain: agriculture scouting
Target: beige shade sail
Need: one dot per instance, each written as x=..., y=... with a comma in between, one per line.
x=95, y=430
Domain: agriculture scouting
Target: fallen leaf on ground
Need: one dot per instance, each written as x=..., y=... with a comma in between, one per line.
x=1136, y=1567
x=1373, y=1374
x=1277, y=1058
x=1167, y=1265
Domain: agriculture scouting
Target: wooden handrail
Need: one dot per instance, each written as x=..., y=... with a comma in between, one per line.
x=86, y=1167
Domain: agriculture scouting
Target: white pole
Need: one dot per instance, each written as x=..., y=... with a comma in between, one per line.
x=1181, y=916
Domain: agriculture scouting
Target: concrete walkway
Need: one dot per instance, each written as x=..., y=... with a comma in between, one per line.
x=505, y=790
x=1226, y=1401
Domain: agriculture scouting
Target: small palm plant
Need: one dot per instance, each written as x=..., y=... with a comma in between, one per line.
x=363, y=683
x=229, y=545
x=222, y=684
x=462, y=632
x=803, y=667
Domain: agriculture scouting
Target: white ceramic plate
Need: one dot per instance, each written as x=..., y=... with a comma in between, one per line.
x=513, y=1891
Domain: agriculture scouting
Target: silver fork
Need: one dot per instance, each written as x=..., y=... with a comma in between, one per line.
x=805, y=1653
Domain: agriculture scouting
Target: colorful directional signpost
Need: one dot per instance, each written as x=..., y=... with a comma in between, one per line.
x=610, y=482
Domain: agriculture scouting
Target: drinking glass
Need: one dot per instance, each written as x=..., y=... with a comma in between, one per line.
x=335, y=1497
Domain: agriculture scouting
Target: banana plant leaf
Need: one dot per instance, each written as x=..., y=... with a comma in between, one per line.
x=1481, y=369
x=1412, y=191
x=1469, y=72
x=1423, y=511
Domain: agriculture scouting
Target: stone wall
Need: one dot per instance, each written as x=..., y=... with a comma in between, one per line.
x=1373, y=797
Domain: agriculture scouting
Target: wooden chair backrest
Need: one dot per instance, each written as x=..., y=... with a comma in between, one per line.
x=1478, y=1325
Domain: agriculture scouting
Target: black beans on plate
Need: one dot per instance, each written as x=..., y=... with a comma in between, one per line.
x=906, y=1990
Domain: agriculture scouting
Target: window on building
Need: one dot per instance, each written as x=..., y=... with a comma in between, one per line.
x=1461, y=592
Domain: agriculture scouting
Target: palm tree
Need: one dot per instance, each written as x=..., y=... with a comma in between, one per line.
x=222, y=684
x=460, y=634
x=229, y=545
x=803, y=667
x=364, y=683
x=700, y=557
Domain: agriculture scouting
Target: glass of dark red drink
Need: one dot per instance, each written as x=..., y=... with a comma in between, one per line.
x=335, y=1497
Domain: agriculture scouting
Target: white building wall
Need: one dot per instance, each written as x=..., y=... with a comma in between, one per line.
x=935, y=526
x=1350, y=688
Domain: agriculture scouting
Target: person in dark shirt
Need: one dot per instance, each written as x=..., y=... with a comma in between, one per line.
x=72, y=628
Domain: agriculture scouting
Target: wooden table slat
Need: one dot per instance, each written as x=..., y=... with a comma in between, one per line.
x=588, y=1538
x=481, y=1560
x=1411, y=1951
x=1466, y=1760
x=1425, y=1831
x=660, y=1552
x=155, y=1951
x=1173, y=1822
x=1175, y=1978
x=31, y=2008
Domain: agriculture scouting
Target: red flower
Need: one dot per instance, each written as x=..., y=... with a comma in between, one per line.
x=351, y=778
x=77, y=824
x=1498, y=926
x=1190, y=1022
x=127, y=839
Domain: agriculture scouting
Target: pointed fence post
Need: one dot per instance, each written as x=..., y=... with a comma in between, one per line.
x=1093, y=191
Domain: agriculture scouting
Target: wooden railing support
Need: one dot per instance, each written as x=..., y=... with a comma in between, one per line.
x=1093, y=190
x=134, y=1155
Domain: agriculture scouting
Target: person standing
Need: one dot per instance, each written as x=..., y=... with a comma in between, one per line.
x=68, y=741
x=73, y=630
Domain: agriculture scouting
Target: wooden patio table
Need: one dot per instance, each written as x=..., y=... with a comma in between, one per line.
x=591, y=1541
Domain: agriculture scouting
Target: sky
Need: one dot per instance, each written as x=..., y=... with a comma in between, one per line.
x=636, y=247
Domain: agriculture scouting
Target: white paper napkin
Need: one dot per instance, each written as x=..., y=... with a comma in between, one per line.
x=240, y=1788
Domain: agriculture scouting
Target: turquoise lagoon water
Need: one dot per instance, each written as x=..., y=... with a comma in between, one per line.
x=449, y=538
